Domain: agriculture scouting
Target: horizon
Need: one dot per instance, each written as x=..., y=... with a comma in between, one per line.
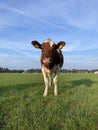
x=39, y=69
x=73, y=21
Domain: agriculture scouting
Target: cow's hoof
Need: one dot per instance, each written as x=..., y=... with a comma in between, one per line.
x=44, y=95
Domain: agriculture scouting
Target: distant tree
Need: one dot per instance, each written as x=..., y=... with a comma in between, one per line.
x=33, y=70
x=6, y=70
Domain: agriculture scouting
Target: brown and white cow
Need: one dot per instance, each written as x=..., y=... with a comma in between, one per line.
x=51, y=61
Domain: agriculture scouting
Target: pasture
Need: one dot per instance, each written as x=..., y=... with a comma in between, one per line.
x=22, y=106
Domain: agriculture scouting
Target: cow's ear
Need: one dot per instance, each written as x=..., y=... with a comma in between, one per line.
x=36, y=44
x=61, y=44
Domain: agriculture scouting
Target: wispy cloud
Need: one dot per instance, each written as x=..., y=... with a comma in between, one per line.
x=5, y=6
x=38, y=18
x=12, y=45
x=18, y=56
x=16, y=49
x=81, y=14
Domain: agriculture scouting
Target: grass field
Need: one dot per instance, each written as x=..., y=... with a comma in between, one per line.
x=22, y=106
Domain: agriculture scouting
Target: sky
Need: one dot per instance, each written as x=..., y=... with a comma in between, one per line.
x=72, y=21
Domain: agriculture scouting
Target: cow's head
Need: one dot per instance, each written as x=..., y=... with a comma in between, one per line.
x=48, y=48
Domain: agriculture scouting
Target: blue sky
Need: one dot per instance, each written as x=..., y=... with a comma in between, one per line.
x=73, y=21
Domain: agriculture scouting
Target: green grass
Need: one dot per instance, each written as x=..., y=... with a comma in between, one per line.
x=22, y=106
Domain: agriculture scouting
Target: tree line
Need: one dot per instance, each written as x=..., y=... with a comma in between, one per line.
x=6, y=70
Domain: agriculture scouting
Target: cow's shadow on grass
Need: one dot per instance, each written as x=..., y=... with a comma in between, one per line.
x=78, y=83
x=86, y=82
x=69, y=85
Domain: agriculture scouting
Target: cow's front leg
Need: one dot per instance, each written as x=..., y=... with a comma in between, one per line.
x=46, y=86
x=46, y=81
x=50, y=78
x=55, y=80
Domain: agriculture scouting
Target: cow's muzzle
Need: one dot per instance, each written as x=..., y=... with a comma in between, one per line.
x=47, y=60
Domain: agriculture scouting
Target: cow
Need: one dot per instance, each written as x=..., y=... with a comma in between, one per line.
x=96, y=72
x=51, y=62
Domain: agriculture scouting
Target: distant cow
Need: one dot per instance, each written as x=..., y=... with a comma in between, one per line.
x=96, y=72
x=51, y=61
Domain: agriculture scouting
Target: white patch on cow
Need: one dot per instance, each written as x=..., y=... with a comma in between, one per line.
x=45, y=70
x=49, y=41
